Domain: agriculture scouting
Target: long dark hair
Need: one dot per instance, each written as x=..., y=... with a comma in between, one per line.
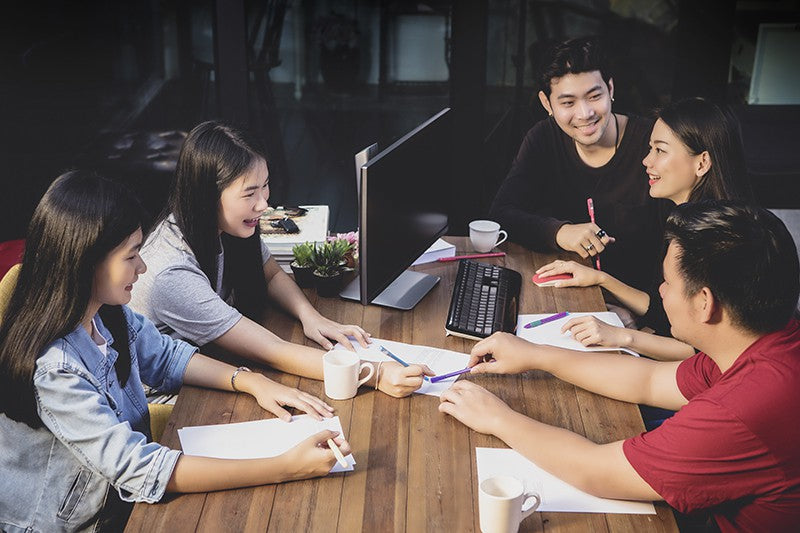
x=79, y=220
x=213, y=156
x=703, y=126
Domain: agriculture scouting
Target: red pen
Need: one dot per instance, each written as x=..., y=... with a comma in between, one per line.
x=473, y=256
x=590, y=207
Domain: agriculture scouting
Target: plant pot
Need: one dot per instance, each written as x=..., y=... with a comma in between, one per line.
x=303, y=275
x=328, y=286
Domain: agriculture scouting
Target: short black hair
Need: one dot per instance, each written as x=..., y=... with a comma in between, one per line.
x=585, y=54
x=744, y=255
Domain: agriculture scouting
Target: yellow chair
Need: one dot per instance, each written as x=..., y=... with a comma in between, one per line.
x=159, y=413
x=7, y=285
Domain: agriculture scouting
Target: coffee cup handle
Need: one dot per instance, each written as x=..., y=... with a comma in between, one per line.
x=537, y=500
x=505, y=236
x=369, y=375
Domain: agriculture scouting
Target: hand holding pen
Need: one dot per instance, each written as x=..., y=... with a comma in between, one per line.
x=400, y=381
x=502, y=353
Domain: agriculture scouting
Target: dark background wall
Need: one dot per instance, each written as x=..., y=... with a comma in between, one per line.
x=107, y=85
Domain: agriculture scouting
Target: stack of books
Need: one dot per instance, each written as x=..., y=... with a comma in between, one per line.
x=313, y=227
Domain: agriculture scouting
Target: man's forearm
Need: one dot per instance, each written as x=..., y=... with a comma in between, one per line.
x=599, y=469
x=621, y=377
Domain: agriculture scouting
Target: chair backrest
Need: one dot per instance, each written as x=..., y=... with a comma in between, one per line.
x=7, y=286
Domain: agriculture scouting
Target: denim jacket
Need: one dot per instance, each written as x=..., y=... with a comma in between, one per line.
x=95, y=434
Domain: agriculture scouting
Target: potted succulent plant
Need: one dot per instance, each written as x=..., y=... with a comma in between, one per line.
x=351, y=257
x=329, y=260
x=302, y=266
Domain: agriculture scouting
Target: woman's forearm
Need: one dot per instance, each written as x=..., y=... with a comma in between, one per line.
x=634, y=299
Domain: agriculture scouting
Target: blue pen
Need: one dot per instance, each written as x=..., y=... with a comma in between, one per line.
x=434, y=379
x=546, y=319
x=393, y=356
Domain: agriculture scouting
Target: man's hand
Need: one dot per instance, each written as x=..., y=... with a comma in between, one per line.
x=584, y=239
x=475, y=407
x=502, y=353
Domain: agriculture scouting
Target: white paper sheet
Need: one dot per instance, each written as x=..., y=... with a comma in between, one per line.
x=550, y=333
x=557, y=496
x=439, y=360
x=256, y=439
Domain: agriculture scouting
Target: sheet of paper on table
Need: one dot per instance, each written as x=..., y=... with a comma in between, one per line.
x=557, y=496
x=256, y=439
x=439, y=360
x=550, y=333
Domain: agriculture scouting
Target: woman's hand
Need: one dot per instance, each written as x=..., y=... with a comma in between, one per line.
x=400, y=381
x=591, y=331
x=271, y=396
x=322, y=330
x=474, y=407
x=582, y=276
x=502, y=353
x=312, y=457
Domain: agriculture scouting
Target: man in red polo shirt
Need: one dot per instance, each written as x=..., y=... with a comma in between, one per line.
x=731, y=287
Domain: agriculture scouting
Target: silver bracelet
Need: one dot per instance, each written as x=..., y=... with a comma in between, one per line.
x=378, y=374
x=236, y=373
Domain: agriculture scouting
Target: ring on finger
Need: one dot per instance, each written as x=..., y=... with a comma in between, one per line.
x=601, y=233
x=589, y=247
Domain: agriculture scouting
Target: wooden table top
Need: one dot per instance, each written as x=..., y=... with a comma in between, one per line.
x=416, y=468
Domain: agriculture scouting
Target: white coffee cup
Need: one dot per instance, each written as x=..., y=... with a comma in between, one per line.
x=484, y=233
x=503, y=503
x=341, y=370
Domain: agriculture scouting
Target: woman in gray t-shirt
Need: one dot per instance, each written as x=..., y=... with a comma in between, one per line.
x=209, y=272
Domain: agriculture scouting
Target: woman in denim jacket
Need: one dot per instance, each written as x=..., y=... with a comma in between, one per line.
x=75, y=446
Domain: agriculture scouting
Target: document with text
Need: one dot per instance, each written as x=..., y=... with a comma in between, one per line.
x=256, y=439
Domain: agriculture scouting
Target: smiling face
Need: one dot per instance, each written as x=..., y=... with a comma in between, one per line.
x=581, y=106
x=672, y=170
x=115, y=276
x=243, y=201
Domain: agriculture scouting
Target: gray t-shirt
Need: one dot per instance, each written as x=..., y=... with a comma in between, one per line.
x=177, y=295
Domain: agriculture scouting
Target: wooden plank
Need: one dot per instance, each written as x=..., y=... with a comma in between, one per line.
x=416, y=468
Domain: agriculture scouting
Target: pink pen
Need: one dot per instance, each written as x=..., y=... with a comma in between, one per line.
x=590, y=207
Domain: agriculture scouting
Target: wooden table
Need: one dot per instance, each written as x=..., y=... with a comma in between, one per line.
x=416, y=468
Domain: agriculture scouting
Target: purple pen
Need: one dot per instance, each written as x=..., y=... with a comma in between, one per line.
x=545, y=320
x=434, y=379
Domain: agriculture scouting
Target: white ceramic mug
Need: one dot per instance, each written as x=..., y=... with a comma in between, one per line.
x=341, y=370
x=484, y=233
x=503, y=503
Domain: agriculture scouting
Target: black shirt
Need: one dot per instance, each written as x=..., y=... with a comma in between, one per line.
x=548, y=185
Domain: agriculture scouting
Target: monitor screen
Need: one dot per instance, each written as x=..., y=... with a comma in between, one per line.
x=402, y=211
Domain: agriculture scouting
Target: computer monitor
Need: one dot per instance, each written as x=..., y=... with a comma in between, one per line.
x=403, y=194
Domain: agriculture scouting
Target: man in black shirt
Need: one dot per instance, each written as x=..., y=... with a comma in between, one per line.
x=583, y=151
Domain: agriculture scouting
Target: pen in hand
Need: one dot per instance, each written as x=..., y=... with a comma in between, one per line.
x=338, y=453
x=393, y=356
x=590, y=207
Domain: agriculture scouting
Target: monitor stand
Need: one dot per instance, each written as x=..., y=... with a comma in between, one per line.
x=403, y=293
